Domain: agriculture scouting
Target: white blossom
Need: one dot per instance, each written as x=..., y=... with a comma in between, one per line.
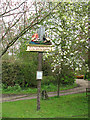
x=71, y=53
x=52, y=70
x=68, y=47
x=67, y=50
x=76, y=52
x=64, y=56
x=86, y=64
x=80, y=65
x=61, y=59
x=76, y=41
x=82, y=40
x=54, y=60
x=76, y=69
x=79, y=68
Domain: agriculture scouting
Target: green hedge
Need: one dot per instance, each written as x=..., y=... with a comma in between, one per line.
x=24, y=74
x=18, y=73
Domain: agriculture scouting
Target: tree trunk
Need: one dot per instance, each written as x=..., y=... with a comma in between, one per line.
x=58, y=89
x=39, y=81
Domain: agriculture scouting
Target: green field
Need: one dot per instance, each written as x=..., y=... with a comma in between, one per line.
x=75, y=105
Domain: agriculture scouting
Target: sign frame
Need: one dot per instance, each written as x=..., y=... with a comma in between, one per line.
x=39, y=75
x=40, y=48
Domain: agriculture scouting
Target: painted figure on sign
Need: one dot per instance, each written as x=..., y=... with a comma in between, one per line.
x=40, y=38
x=36, y=40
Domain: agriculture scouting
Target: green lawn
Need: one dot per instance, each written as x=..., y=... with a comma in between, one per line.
x=75, y=105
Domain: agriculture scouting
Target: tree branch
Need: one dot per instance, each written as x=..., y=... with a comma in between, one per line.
x=26, y=29
x=12, y=9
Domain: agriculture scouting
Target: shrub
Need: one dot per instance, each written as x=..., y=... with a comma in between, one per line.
x=67, y=75
x=18, y=73
x=48, y=80
x=14, y=88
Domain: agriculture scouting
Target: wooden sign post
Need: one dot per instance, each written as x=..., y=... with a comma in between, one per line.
x=40, y=54
x=39, y=45
x=40, y=49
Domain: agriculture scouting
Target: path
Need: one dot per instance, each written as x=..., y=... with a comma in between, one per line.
x=83, y=84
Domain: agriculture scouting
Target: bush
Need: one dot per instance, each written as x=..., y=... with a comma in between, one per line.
x=48, y=80
x=87, y=76
x=67, y=75
x=67, y=79
x=14, y=88
x=22, y=74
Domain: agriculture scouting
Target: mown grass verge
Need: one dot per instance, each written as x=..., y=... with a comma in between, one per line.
x=69, y=106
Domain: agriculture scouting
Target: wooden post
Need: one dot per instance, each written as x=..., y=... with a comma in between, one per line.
x=40, y=54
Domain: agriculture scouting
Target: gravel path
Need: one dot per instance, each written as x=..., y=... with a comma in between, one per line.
x=83, y=84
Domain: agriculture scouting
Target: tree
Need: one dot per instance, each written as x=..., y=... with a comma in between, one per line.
x=21, y=20
x=69, y=26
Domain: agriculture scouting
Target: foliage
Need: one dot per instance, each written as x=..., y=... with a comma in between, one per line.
x=9, y=73
x=23, y=72
x=30, y=90
x=69, y=106
x=46, y=67
x=18, y=19
x=86, y=75
x=16, y=87
x=48, y=80
x=67, y=76
x=68, y=29
x=18, y=72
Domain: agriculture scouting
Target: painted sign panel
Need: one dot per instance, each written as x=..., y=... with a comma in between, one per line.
x=40, y=48
x=41, y=32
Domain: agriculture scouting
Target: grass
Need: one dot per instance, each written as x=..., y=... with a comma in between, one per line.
x=69, y=106
x=48, y=88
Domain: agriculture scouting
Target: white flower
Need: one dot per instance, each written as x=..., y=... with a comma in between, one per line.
x=54, y=60
x=65, y=53
x=80, y=65
x=76, y=41
x=61, y=53
x=61, y=59
x=71, y=53
x=76, y=51
x=82, y=40
x=86, y=64
x=64, y=56
x=52, y=70
x=76, y=69
x=68, y=47
x=69, y=43
x=70, y=62
x=79, y=68
x=87, y=47
x=66, y=64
